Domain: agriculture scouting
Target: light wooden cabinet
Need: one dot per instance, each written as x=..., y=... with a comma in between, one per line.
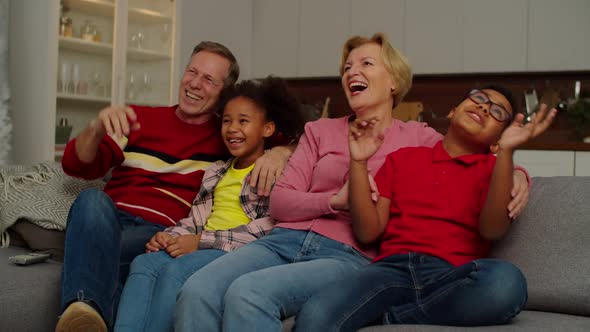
x=117, y=52
x=558, y=35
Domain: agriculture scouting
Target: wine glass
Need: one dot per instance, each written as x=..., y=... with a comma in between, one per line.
x=146, y=84
x=65, y=75
x=131, y=82
x=96, y=81
x=76, y=77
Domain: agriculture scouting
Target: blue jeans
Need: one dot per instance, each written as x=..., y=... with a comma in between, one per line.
x=254, y=287
x=418, y=289
x=149, y=296
x=101, y=241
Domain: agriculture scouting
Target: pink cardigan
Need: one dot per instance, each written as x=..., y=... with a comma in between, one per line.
x=319, y=168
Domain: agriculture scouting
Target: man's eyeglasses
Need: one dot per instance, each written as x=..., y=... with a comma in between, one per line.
x=497, y=111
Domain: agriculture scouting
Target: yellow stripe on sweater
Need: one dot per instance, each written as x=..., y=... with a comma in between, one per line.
x=153, y=164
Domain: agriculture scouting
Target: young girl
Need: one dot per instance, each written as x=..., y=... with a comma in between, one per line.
x=226, y=214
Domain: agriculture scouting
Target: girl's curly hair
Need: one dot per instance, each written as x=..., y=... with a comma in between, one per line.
x=280, y=105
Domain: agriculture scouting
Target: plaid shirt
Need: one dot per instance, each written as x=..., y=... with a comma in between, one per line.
x=255, y=207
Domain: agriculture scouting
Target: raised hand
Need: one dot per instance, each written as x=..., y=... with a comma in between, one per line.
x=518, y=133
x=115, y=121
x=364, y=139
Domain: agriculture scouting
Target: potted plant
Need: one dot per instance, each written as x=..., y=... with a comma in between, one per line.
x=578, y=114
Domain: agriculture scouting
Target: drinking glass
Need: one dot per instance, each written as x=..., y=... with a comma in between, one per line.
x=146, y=84
x=65, y=75
x=76, y=78
x=131, y=87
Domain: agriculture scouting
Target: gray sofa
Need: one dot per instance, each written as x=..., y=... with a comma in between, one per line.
x=550, y=242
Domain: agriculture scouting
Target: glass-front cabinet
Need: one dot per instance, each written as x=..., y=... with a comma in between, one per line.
x=111, y=52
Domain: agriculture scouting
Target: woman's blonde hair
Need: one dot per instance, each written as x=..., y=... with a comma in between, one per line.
x=395, y=62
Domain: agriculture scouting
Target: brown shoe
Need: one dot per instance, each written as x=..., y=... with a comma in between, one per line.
x=79, y=317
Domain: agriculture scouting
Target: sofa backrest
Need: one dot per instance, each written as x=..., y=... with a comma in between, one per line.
x=550, y=243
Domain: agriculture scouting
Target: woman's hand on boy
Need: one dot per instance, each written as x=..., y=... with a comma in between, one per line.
x=183, y=244
x=340, y=200
x=520, y=194
x=519, y=133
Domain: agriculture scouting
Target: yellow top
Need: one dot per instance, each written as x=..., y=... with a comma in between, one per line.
x=227, y=211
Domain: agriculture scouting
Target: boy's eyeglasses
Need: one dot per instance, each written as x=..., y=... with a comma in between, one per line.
x=497, y=111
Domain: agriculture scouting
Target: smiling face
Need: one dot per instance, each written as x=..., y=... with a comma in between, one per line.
x=365, y=79
x=200, y=86
x=475, y=119
x=244, y=127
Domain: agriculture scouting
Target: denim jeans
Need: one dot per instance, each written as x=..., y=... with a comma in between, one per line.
x=149, y=296
x=254, y=287
x=418, y=289
x=101, y=241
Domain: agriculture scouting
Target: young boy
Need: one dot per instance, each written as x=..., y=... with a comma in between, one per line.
x=438, y=211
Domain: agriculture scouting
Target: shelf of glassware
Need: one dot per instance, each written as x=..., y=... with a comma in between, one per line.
x=84, y=46
x=62, y=97
x=92, y=7
x=148, y=16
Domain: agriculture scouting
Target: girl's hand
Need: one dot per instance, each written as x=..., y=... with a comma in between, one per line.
x=183, y=244
x=364, y=139
x=157, y=242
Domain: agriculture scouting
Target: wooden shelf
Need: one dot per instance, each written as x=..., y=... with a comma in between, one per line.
x=84, y=46
x=138, y=54
x=148, y=16
x=65, y=98
x=93, y=7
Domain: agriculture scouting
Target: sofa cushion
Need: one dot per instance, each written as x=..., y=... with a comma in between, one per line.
x=550, y=242
x=533, y=321
x=29, y=300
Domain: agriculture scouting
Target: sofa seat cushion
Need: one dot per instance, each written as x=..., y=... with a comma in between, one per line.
x=533, y=321
x=29, y=300
x=550, y=242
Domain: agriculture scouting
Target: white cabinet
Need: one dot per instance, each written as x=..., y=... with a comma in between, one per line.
x=324, y=26
x=546, y=163
x=558, y=35
x=225, y=21
x=494, y=35
x=434, y=36
x=276, y=32
x=118, y=52
x=582, y=163
x=370, y=16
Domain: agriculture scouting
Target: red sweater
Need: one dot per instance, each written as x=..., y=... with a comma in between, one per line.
x=158, y=168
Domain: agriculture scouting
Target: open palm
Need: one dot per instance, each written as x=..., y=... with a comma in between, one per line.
x=518, y=133
x=364, y=139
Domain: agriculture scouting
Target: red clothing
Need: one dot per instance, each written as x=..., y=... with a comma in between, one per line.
x=436, y=201
x=157, y=173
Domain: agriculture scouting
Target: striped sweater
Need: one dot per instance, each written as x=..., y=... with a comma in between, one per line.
x=157, y=170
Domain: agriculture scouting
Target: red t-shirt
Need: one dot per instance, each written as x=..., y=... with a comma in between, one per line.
x=436, y=201
x=158, y=172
